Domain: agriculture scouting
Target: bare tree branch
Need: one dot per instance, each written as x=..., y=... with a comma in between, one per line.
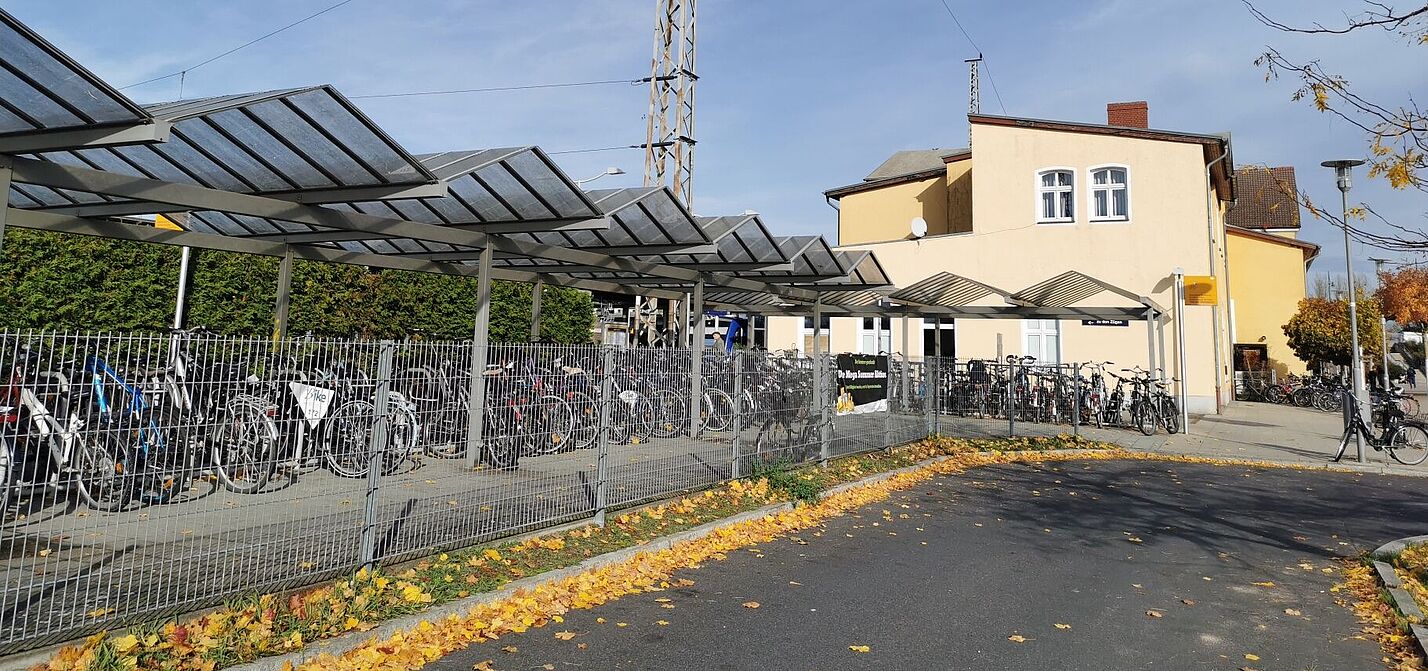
x=1381, y=15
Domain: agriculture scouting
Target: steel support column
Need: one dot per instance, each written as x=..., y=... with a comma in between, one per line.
x=480, y=340
x=737, y=425
x=537, y=289
x=696, y=357
x=1150, y=340
x=1180, y=350
x=5, y=189
x=285, y=285
x=820, y=400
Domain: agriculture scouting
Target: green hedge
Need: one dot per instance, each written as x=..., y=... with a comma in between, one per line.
x=60, y=281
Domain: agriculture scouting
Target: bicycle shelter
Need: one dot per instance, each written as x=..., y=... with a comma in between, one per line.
x=303, y=174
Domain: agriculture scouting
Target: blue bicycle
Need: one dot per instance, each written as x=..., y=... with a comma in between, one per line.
x=128, y=420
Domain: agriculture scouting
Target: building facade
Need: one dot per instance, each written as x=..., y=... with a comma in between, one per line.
x=1125, y=204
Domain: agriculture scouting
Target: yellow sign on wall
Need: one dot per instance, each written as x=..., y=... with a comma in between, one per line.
x=1201, y=290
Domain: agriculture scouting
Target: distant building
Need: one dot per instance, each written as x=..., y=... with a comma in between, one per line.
x=1032, y=199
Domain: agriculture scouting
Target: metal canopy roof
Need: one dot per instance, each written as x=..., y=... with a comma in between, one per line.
x=1072, y=287
x=948, y=290
x=864, y=272
x=252, y=171
x=310, y=143
x=492, y=191
x=42, y=89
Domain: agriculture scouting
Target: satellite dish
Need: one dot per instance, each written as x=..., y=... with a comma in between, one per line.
x=919, y=227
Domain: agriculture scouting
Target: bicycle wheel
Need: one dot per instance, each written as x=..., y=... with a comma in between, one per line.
x=1349, y=432
x=445, y=430
x=1327, y=401
x=1409, y=444
x=1145, y=419
x=1410, y=406
x=502, y=448
x=773, y=441
x=347, y=438
x=242, y=446
x=716, y=410
x=670, y=413
x=553, y=421
x=1273, y=394
x=403, y=434
x=1170, y=415
x=7, y=474
x=1303, y=397
x=587, y=420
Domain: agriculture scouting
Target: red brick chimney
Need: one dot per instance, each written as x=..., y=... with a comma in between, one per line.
x=1132, y=114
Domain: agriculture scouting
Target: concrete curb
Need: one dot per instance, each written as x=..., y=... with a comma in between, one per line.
x=339, y=645
x=344, y=643
x=1398, y=597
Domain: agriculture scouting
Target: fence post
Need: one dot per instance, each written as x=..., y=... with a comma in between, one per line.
x=1011, y=402
x=1076, y=394
x=377, y=451
x=736, y=445
x=888, y=414
x=696, y=358
x=602, y=440
x=930, y=381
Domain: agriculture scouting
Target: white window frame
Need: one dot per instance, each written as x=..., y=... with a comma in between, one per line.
x=1041, y=331
x=881, y=334
x=1071, y=190
x=805, y=332
x=1092, y=188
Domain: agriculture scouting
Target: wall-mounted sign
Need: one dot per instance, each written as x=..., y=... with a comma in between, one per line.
x=1105, y=322
x=1201, y=290
x=862, y=383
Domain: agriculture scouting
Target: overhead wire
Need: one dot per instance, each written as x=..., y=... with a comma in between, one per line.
x=493, y=89
x=240, y=47
x=990, y=79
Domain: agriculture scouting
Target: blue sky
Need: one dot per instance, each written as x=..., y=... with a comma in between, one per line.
x=795, y=96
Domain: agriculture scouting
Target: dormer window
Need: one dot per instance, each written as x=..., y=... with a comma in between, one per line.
x=1056, y=196
x=1110, y=194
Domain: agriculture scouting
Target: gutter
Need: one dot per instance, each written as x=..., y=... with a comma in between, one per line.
x=1210, y=244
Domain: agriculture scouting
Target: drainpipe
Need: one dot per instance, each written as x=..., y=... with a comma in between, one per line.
x=1210, y=243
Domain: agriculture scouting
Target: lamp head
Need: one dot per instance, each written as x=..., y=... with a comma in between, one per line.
x=614, y=171
x=1342, y=171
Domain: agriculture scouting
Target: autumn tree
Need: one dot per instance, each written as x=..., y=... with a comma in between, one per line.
x=1319, y=331
x=1395, y=131
x=1404, y=295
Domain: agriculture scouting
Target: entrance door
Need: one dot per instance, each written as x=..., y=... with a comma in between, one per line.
x=1041, y=338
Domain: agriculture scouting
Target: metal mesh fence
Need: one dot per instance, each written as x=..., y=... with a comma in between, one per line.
x=146, y=475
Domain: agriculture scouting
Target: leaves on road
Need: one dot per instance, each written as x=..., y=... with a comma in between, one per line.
x=1062, y=626
x=565, y=635
x=1155, y=613
x=860, y=648
x=751, y=604
x=1017, y=638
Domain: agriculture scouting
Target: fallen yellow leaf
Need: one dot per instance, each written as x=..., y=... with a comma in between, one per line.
x=1154, y=613
x=510, y=648
x=1062, y=626
x=1293, y=612
x=751, y=604
x=662, y=623
x=1017, y=638
x=565, y=635
x=622, y=624
x=1251, y=657
x=1267, y=583
x=484, y=666
x=860, y=648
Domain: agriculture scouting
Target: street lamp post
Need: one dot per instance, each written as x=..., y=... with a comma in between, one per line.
x=1382, y=318
x=608, y=172
x=1343, y=170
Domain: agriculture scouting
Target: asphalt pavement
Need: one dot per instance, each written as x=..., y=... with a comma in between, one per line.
x=1092, y=565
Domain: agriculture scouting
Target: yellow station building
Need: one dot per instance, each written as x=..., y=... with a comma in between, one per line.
x=1119, y=202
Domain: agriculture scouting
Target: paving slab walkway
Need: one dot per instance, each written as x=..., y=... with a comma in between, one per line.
x=1152, y=565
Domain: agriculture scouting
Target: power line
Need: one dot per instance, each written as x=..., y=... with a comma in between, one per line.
x=240, y=47
x=491, y=89
x=588, y=151
x=992, y=80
